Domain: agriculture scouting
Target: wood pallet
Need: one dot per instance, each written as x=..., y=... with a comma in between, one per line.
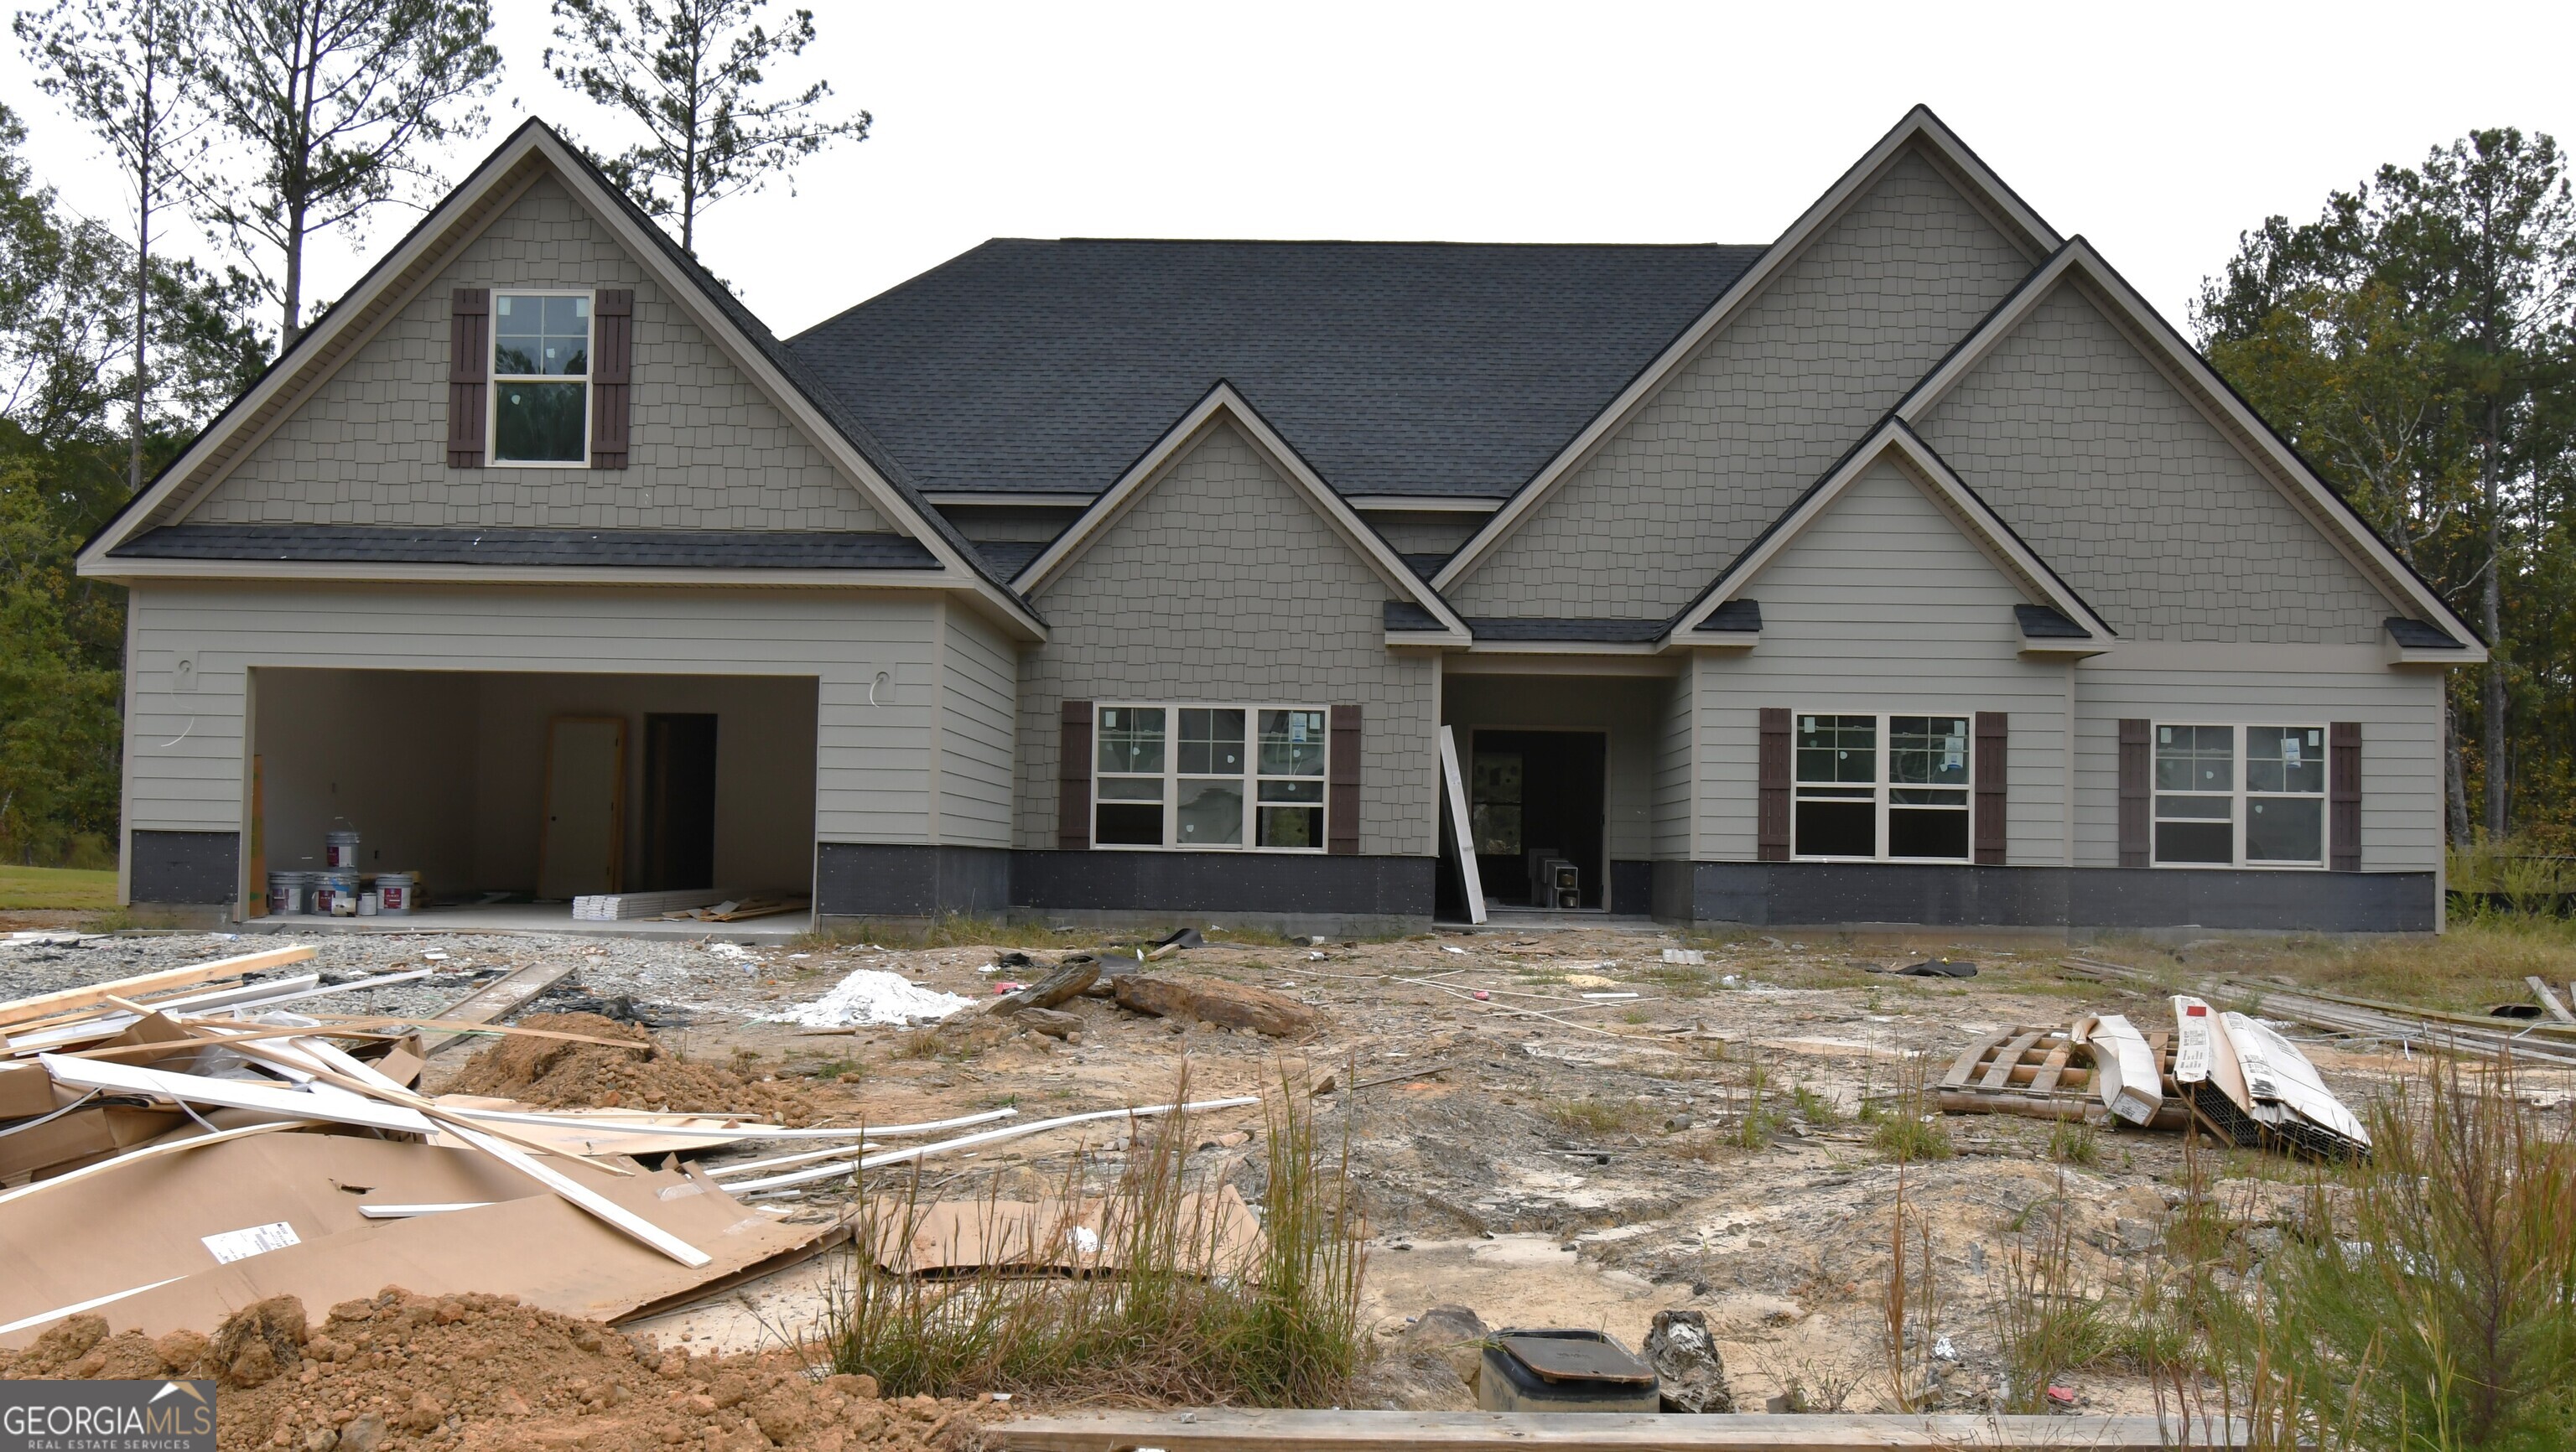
x=2036, y=1072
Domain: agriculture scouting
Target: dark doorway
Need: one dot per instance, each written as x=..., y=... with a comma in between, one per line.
x=1537, y=796
x=679, y=801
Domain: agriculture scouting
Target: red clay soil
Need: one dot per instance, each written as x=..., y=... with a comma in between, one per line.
x=557, y=1074
x=482, y=1373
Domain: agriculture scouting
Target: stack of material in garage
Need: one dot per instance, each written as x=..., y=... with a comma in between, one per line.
x=618, y=907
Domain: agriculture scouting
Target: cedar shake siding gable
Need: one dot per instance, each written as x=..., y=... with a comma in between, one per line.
x=1221, y=584
x=2111, y=473
x=707, y=449
x=1828, y=346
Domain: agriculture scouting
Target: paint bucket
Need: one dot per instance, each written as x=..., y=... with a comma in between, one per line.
x=340, y=851
x=289, y=892
x=335, y=894
x=367, y=905
x=396, y=892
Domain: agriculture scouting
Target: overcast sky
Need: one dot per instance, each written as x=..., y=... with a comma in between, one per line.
x=2159, y=131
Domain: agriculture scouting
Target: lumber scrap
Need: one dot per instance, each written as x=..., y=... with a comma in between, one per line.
x=1063, y=981
x=1228, y=1429
x=499, y=998
x=29, y=1011
x=2540, y=989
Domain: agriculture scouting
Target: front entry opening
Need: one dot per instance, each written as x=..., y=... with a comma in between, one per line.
x=1537, y=800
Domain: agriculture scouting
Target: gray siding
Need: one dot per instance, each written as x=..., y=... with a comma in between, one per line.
x=2135, y=498
x=710, y=451
x=2255, y=685
x=1676, y=764
x=1223, y=584
x=978, y=684
x=1777, y=396
x=186, y=757
x=1882, y=605
x=1426, y=534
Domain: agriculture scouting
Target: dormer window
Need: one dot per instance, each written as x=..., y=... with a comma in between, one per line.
x=541, y=378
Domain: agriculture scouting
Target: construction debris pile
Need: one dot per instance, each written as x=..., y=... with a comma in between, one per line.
x=2235, y=1076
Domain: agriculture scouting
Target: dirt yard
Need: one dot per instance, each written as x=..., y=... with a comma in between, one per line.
x=1704, y=1136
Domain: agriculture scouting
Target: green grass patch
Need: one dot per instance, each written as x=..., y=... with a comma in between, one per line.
x=1600, y=1116
x=56, y=889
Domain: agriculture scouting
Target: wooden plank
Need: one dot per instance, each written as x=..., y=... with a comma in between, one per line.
x=1970, y=1057
x=2549, y=1000
x=2052, y=1068
x=502, y=996
x=1999, y=1073
x=1236, y=1430
x=69, y=1000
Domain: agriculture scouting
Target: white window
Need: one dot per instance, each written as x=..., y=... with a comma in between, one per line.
x=1211, y=777
x=541, y=379
x=2271, y=814
x=1881, y=788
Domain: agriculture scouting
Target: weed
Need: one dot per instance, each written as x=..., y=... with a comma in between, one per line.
x=2076, y=1142
x=1600, y=1116
x=1639, y=1014
x=851, y=1070
x=1175, y=1323
x=919, y=1044
x=1911, y=1321
x=1813, y=1107
x=1911, y=1127
x=2045, y=1317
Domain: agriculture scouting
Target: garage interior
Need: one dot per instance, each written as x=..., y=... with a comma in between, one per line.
x=1556, y=768
x=542, y=786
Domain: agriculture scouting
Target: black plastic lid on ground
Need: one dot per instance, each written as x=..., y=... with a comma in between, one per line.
x=1576, y=1356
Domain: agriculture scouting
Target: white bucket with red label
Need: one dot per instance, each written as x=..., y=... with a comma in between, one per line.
x=395, y=892
x=340, y=851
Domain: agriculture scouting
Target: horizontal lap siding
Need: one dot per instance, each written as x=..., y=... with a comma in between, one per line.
x=979, y=688
x=1830, y=345
x=185, y=749
x=1674, y=764
x=2400, y=713
x=1883, y=606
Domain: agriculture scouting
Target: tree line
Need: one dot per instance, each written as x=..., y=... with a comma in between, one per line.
x=262, y=125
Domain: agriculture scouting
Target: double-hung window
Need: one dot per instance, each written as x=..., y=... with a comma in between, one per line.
x=1881, y=788
x=1214, y=777
x=541, y=378
x=2271, y=814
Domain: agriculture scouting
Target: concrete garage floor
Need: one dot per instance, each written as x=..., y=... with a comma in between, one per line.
x=533, y=917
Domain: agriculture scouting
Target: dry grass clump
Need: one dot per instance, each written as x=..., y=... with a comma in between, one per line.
x=1282, y=1332
x=1598, y=1115
x=1910, y=1127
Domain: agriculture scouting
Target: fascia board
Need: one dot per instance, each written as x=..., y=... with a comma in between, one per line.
x=1223, y=400
x=1426, y=640
x=1948, y=492
x=378, y=573
x=1003, y=498
x=1918, y=125
x=2435, y=657
x=1422, y=504
x=285, y=383
x=2180, y=362
x=1564, y=647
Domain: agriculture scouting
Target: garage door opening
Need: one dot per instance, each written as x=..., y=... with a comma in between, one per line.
x=507, y=787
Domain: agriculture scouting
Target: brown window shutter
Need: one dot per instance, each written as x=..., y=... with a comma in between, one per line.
x=2137, y=760
x=1988, y=825
x=1342, y=784
x=1771, y=774
x=469, y=374
x=2343, y=796
x=1073, y=780
x=612, y=372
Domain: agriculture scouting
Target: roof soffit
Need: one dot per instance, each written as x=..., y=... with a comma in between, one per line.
x=1919, y=132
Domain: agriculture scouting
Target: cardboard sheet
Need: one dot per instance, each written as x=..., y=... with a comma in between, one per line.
x=620, y=1131
x=127, y=1229
x=951, y=1237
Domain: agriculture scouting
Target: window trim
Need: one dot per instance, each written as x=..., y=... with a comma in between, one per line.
x=1172, y=776
x=1880, y=788
x=494, y=378
x=2240, y=794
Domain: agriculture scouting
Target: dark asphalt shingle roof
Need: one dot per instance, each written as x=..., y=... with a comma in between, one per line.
x=692, y=549
x=1735, y=615
x=2421, y=634
x=2047, y=622
x=1395, y=368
